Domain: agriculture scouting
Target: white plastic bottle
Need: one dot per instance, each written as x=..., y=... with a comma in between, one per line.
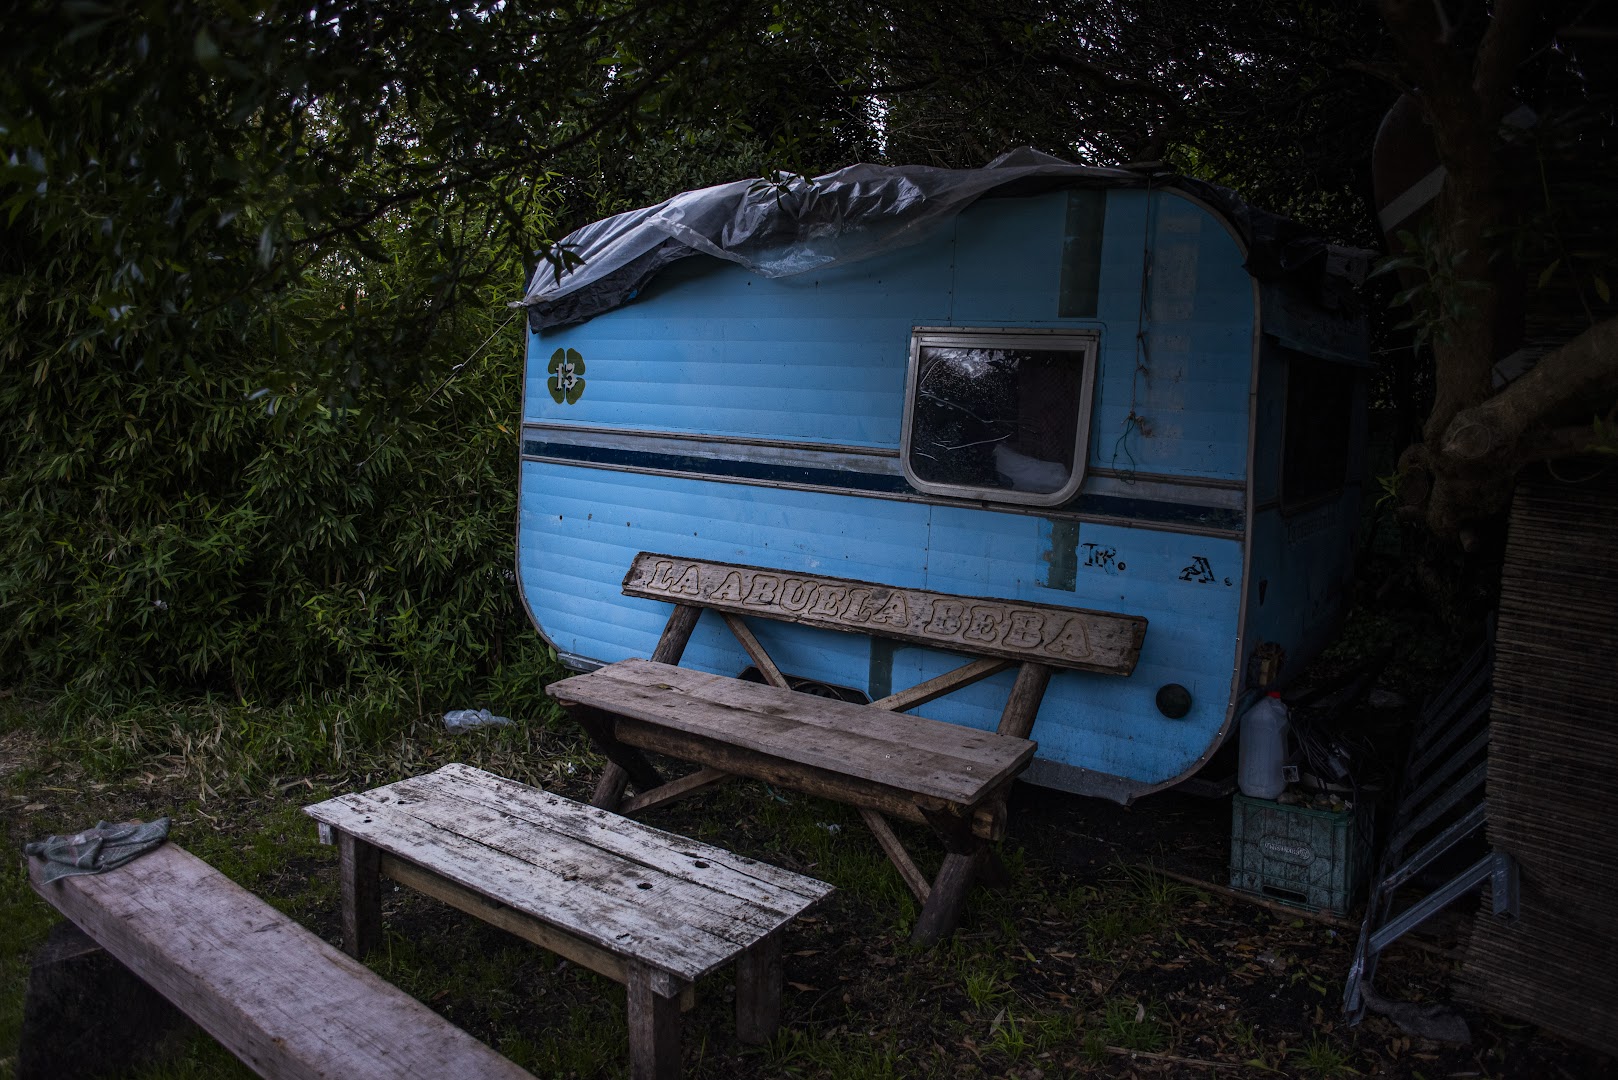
x=1263, y=750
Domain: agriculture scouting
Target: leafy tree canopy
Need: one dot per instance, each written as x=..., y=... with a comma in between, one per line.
x=242, y=245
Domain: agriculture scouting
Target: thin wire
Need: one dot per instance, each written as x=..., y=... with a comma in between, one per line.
x=454, y=371
x=1142, y=354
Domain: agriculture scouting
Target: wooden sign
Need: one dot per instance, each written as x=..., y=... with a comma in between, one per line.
x=1059, y=636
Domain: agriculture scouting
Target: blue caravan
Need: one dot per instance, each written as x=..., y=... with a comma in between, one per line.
x=1033, y=382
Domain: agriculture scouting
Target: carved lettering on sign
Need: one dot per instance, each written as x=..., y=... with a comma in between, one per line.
x=1093, y=640
x=857, y=599
x=796, y=593
x=663, y=576
x=685, y=584
x=1025, y=631
x=1071, y=641
x=946, y=617
x=894, y=612
x=762, y=594
x=729, y=589
x=984, y=625
x=828, y=600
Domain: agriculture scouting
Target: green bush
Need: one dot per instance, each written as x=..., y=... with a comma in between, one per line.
x=172, y=526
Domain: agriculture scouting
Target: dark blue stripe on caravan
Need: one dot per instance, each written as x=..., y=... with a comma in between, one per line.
x=715, y=467
x=1110, y=506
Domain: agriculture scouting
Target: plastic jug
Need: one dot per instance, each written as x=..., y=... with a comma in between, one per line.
x=1263, y=750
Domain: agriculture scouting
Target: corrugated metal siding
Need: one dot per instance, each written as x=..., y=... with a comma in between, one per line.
x=574, y=556
x=670, y=361
x=1188, y=382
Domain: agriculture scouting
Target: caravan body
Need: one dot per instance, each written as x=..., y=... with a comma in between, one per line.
x=1071, y=389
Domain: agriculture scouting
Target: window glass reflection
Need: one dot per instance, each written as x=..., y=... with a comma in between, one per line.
x=998, y=419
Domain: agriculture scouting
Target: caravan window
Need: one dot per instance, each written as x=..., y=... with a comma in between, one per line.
x=1001, y=415
x=1318, y=429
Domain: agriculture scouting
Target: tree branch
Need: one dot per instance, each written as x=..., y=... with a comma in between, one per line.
x=1499, y=53
x=1581, y=376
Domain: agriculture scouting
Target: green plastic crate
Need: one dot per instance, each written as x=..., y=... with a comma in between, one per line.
x=1313, y=859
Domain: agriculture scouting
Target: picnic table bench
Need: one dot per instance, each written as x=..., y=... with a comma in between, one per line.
x=282, y=1000
x=952, y=778
x=646, y=908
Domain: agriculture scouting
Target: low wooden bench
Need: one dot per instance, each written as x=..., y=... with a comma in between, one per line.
x=283, y=1001
x=950, y=777
x=645, y=908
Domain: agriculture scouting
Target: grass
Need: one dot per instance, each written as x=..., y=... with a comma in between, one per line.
x=1321, y=1057
x=1064, y=972
x=840, y=1054
x=1133, y=1025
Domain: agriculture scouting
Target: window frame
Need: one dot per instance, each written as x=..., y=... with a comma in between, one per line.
x=1085, y=342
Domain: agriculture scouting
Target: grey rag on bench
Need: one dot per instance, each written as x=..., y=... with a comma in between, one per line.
x=92, y=851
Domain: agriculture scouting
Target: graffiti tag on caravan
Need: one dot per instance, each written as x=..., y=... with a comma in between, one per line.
x=1062, y=637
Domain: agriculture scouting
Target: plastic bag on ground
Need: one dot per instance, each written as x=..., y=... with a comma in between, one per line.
x=469, y=719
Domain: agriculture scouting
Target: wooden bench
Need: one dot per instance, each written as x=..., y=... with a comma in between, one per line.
x=952, y=778
x=645, y=908
x=283, y=1001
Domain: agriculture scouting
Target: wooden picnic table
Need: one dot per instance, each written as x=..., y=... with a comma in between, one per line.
x=646, y=908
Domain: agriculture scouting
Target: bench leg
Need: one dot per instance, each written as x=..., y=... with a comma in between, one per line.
x=87, y=1016
x=654, y=1024
x=633, y=765
x=942, y=912
x=609, y=793
x=359, y=870
x=758, y=990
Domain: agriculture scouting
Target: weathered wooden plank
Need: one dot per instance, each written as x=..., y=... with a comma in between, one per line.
x=988, y=817
x=290, y=1006
x=942, y=912
x=567, y=898
x=359, y=878
x=895, y=850
x=937, y=687
x=676, y=634
x=718, y=910
x=1022, y=704
x=654, y=1028
x=761, y=659
x=609, y=789
x=675, y=789
x=965, y=745
x=668, y=853
x=507, y=918
x=947, y=761
x=1015, y=630
x=758, y=991
x=543, y=934
x=586, y=866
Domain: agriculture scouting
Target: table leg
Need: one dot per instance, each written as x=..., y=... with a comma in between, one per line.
x=758, y=990
x=654, y=1024
x=359, y=871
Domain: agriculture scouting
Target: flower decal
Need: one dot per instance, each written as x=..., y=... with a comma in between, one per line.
x=566, y=382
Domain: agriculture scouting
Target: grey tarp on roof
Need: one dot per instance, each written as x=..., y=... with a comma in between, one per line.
x=794, y=225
